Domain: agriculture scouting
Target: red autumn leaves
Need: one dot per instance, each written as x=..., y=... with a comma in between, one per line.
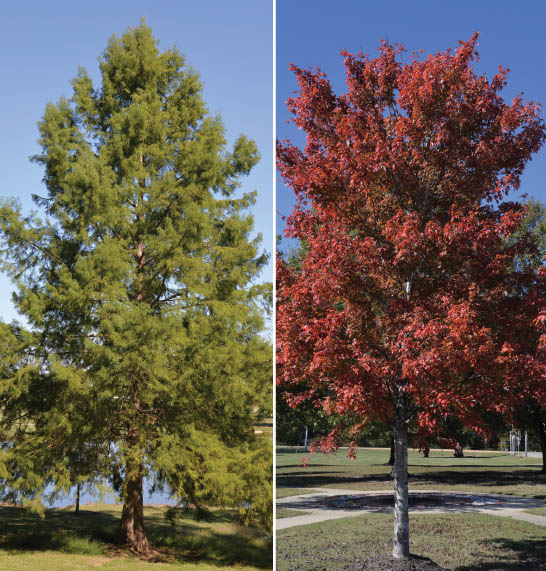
x=409, y=270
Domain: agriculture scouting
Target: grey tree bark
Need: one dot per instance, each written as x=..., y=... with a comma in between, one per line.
x=400, y=469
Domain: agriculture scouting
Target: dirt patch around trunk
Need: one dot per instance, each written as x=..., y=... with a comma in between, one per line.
x=387, y=563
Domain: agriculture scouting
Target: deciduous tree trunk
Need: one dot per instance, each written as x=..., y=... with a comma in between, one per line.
x=542, y=436
x=401, y=516
x=391, y=456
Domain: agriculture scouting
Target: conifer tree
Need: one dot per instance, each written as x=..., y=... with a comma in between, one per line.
x=145, y=354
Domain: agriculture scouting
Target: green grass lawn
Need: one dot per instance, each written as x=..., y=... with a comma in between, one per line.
x=537, y=511
x=65, y=541
x=480, y=472
x=460, y=542
x=265, y=428
x=286, y=492
x=285, y=512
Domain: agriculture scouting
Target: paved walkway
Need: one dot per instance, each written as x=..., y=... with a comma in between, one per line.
x=511, y=506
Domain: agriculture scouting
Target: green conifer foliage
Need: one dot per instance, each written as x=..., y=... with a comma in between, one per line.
x=144, y=354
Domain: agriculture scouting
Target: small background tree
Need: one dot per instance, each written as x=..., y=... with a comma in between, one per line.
x=530, y=412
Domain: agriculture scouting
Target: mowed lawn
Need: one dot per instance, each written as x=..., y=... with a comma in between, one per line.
x=456, y=541
x=459, y=542
x=64, y=541
x=481, y=472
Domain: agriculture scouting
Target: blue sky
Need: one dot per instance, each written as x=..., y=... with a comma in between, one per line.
x=313, y=33
x=43, y=43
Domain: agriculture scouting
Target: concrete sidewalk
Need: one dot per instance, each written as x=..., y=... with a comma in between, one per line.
x=511, y=506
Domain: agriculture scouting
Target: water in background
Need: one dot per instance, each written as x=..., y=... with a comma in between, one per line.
x=111, y=498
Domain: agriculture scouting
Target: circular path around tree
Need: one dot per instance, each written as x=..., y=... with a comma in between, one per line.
x=327, y=503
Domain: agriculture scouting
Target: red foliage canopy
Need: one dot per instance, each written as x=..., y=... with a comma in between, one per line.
x=409, y=286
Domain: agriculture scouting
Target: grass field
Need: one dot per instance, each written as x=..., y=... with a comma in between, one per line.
x=285, y=492
x=537, y=511
x=65, y=541
x=286, y=512
x=462, y=542
x=480, y=472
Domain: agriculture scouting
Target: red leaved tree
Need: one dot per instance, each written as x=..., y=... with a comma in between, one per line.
x=406, y=307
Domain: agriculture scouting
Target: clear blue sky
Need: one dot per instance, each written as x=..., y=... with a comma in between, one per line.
x=313, y=33
x=43, y=43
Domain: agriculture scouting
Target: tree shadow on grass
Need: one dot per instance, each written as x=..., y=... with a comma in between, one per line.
x=324, y=479
x=513, y=555
x=244, y=547
x=468, y=477
x=95, y=533
x=58, y=531
x=461, y=466
x=309, y=473
x=315, y=465
x=237, y=545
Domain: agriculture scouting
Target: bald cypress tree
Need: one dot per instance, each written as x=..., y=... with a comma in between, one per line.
x=144, y=354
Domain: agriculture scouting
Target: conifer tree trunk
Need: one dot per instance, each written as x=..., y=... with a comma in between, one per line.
x=401, y=493
x=132, y=531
